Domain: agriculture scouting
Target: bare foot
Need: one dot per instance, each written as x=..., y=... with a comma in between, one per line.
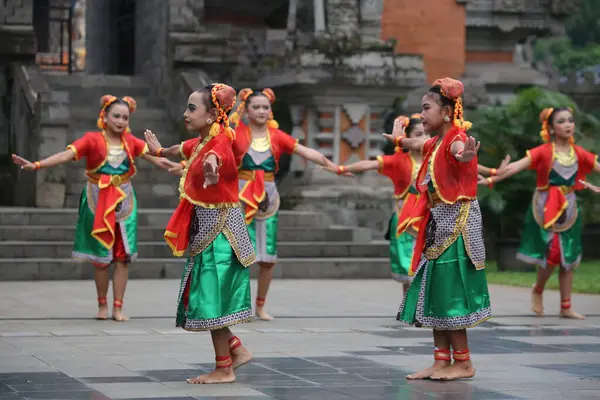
x=261, y=313
x=458, y=370
x=219, y=375
x=102, y=313
x=119, y=316
x=427, y=373
x=537, y=303
x=569, y=313
x=240, y=356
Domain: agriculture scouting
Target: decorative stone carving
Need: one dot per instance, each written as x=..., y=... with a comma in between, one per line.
x=565, y=7
x=343, y=17
x=509, y=6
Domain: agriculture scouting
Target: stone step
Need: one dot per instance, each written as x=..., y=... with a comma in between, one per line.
x=85, y=81
x=159, y=249
x=169, y=202
x=81, y=113
x=162, y=128
x=146, y=217
x=147, y=192
x=41, y=233
x=171, y=268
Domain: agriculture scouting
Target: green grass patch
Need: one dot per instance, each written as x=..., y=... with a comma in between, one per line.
x=586, y=278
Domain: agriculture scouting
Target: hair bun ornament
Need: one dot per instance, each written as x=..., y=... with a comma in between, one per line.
x=270, y=94
x=225, y=96
x=415, y=116
x=404, y=121
x=545, y=114
x=106, y=100
x=450, y=88
x=244, y=94
x=131, y=103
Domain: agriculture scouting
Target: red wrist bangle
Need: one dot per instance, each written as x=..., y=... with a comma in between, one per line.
x=159, y=152
x=490, y=182
x=37, y=165
x=341, y=170
x=398, y=140
x=493, y=171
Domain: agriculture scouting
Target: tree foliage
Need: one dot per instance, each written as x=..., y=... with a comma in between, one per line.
x=581, y=47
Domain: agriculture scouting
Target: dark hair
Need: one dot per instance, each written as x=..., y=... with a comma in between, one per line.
x=444, y=100
x=555, y=112
x=117, y=101
x=413, y=122
x=208, y=101
x=256, y=94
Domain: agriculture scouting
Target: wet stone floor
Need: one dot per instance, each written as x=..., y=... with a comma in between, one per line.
x=513, y=362
x=331, y=340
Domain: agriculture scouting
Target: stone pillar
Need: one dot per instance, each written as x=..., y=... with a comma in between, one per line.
x=99, y=36
x=152, y=57
x=319, y=9
x=370, y=19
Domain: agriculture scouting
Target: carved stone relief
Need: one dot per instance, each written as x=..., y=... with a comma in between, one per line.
x=510, y=6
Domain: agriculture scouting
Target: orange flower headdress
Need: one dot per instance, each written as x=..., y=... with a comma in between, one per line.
x=244, y=96
x=106, y=101
x=453, y=89
x=545, y=121
x=223, y=97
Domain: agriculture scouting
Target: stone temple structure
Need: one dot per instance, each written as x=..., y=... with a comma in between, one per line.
x=336, y=66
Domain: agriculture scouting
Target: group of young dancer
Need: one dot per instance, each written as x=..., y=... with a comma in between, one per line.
x=227, y=218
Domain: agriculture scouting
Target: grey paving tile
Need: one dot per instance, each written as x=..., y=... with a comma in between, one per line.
x=10, y=396
x=115, y=379
x=79, y=332
x=305, y=394
x=64, y=395
x=24, y=334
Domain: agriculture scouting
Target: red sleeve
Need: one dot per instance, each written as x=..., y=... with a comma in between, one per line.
x=225, y=157
x=460, y=137
x=287, y=143
x=586, y=160
x=82, y=146
x=139, y=147
x=388, y=166
x=536, y=155
x=186, y=148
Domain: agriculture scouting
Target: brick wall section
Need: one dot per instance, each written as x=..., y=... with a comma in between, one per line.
x=490, y=56
x=436, y=31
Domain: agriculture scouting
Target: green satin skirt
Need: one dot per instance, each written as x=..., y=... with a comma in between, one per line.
x=87, y=248
x=536, y=240
x=215, y=289
x=263, y=233
x=447, y=293
x=401, y=250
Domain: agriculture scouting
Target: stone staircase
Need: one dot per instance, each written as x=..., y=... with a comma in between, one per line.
x=154, y=187
x=35, y=244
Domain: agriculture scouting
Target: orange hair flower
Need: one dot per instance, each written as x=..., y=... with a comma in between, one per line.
x=270, y=94
x=237, y=115
x=453, y=89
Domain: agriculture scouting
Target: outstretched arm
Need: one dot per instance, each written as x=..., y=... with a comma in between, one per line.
x=511, y=169
x=155, y=147
x=313, y=155
x=482, y=170
x=52, y=161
